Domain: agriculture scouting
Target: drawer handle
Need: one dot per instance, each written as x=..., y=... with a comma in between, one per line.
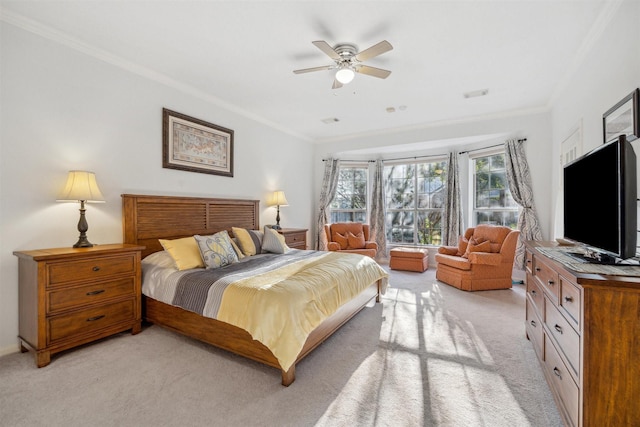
x=551, y=282
x=528, y=261
x=96, y=268
x=558, y=328
x=95, y=292
x=557, y=372
x=533, y=292
x=568, y=299
x=537, y=268
x=93, y=319
x=533, y=323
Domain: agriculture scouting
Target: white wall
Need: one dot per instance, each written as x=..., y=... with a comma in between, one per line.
x=63, y=110
x=609, y=72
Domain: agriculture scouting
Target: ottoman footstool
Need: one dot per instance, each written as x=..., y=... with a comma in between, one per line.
x=409, y=259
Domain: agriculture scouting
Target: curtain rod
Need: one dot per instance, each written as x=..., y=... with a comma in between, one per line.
x=416, y=157
x=491, y=146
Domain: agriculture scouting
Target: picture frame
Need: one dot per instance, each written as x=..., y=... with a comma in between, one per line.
x=195, y=145
x=623, y=119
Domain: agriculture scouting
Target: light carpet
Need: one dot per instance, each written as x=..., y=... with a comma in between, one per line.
x=428, y=355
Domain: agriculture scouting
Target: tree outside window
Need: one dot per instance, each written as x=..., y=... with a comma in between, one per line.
x=492, y=201
x=415, y=197
x=350, y=201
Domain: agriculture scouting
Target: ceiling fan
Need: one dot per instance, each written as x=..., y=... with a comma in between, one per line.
x=348, y=61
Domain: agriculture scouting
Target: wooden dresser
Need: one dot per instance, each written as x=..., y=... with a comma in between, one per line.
x=68, y=297
x=585, y=329
x=296, y=238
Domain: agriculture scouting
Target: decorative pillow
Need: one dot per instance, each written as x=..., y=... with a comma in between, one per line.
x=343, y=241
x=273, y=241
x=249, y=241
x=355, y=241
x=217, y=250
x=475, y=246
x=185, y=252
x=462, y=245
x=236, y=248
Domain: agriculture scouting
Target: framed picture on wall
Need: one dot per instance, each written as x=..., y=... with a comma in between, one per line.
x=623, y=118
x=195, y=145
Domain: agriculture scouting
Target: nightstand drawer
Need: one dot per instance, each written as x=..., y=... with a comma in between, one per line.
x=294, y=239
x=90, y=320
x=62, y=299
x=90, y=268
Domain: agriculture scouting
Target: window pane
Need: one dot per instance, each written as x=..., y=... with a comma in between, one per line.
x=350, y=201
x=493, y=203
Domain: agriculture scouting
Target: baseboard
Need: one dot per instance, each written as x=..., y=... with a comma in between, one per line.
x=10, y=349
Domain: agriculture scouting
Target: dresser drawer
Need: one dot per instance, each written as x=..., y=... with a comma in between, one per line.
x=570, y=302
x=529, y=261
x=536, y=294
x=534, y=329
x=561, y=381
x=65, y=298
x=547, y=278
x=296, y=240
x=90, y=269
x=90, y=320
x=566, y=337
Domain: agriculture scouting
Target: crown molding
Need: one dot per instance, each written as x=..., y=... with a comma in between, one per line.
x=60, y=37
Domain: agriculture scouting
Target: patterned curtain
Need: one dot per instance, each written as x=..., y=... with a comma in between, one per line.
x=519, y=179
x=377, y=220
x=329, y=185
x=452, y=221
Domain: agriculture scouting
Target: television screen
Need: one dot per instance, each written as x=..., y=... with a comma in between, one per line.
x=600, y=200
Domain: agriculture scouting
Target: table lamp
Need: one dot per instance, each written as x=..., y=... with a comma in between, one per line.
x=81, y=187
x=278, y=199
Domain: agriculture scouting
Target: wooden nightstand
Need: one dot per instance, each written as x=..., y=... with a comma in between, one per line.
x=296, y=238
x=68, y=297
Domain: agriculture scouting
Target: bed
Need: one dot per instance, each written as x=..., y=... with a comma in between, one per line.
x=148, y=218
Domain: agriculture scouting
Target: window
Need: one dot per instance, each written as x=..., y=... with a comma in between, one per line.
x=350, y=201
x=415, y=196
x=492, y=202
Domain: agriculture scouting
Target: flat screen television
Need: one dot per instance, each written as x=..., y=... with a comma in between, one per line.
x=600, y=202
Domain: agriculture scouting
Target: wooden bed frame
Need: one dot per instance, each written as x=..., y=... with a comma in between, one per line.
x=149, y=218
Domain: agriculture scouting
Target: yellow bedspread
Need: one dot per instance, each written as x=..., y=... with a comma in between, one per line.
x=279, y=308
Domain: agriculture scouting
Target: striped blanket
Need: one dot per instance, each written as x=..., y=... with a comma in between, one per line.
x=278, y=299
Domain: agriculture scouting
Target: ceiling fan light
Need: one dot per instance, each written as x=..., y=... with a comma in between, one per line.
x=345, y=75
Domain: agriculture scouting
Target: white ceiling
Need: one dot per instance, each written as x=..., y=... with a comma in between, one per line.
x=241, y=54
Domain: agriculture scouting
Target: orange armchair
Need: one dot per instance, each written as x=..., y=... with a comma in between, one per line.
x=483, y=259
x=350, y=237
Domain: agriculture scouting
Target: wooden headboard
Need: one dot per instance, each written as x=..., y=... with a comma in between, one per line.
x=145, y=219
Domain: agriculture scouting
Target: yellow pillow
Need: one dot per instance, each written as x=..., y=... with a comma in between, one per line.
x=249, y=241
x=185, y=252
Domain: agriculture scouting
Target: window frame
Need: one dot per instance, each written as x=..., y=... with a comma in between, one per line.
x=416, y=211
x=471, y=202
x=354, y=165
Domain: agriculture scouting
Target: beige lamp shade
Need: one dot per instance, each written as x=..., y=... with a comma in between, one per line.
x=81, y=186
x=278, y=199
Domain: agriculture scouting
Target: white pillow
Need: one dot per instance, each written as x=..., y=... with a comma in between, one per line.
x=273, y=242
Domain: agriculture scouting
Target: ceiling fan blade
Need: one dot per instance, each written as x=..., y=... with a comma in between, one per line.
x=309, y=70
x=375, y=50
x=328, y=50
x=372, y=71
x=336, y=84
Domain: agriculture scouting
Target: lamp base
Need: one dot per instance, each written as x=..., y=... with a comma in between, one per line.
x=83, y=243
